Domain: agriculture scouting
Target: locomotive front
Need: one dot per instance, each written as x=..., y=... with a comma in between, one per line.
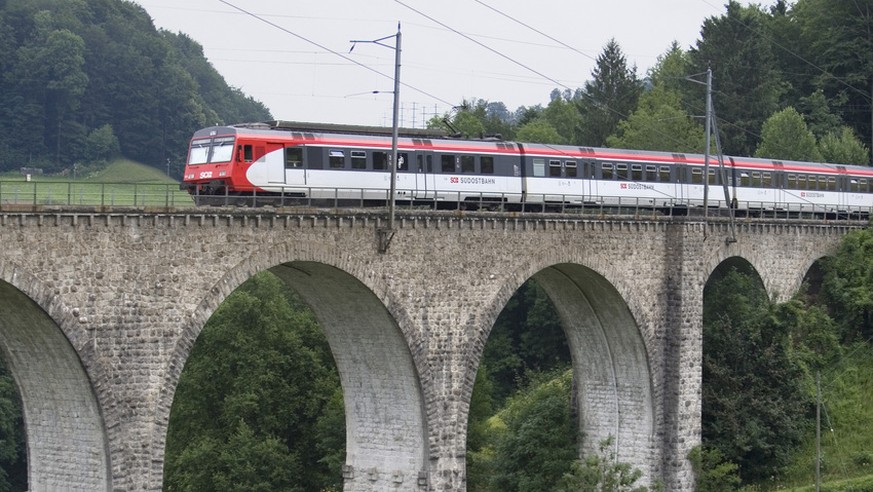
x=209, y=168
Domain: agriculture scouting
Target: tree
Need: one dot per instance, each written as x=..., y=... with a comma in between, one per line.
x=537, y=444
x=755, y=408
x=610, y=96
x=746, y=82
x=785, y=136
x=843, y=147
x=847, y=287
x=838, y=35
x=539, y=131
x=659, y=124
x=256, y=405
x=563, y=116
x=13, y=452
x=602, y=473
x=817, y=112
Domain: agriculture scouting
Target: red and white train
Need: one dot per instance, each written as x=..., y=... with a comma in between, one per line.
x=333, y=162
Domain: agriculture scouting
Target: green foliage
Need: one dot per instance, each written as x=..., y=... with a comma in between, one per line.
x=13, y=454
x=755, y=409
x=609, y=97
x=713, y=473
x=536, y=442
x=525, y=360
x=540, y=131
x=257, y=406
x=785, y=136
x=846, y=386
x=837, y=40
x=602, y=473
x=848, y=285
x=72, y=68
x=818, y=114
x=843, y=147
x=659, y=123
x=745, y=75
x=527, y=338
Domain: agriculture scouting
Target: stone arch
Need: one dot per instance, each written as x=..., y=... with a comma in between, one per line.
x=613, y=380
x=743, y=265
x=387, y=439
x=67, y=442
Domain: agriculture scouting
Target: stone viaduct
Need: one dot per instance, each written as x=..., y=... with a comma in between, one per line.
x=99, y=311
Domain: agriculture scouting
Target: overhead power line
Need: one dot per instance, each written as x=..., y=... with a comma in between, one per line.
x=334, y=52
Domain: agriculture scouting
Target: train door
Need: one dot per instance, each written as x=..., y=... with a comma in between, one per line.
x=681, y=187
x=295, y=173
x=588, y=182
x=272, y=172
x=777, y=183
x=425, y=188
x=842, y=189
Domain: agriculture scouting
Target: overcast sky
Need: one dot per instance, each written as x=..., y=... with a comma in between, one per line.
x=286, y=54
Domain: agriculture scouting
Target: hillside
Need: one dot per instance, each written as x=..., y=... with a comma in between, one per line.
x=85, y=82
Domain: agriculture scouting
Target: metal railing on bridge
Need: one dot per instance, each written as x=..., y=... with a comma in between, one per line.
x=47, y=195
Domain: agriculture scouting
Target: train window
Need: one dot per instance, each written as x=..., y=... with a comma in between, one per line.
x=539, y=167
x=359, y=159
x=768, y=179
x=853, y=185
x=621, y=171
x=696, y=175
x=802, y=182
x=862, y=183
x=402, y=161
x=447, y=163
x=555, y=169
x=745, y=179
x=651, y=173
x=336, y=159
x=199, y=151
x=468, y=164
x=380, y=160
x=570, y=167
x=832, y=183
x=248, y=154
x=792, y=182
x=486, y=163
x=665, y=174
x=606, y=170
x=636, y=172
x=756, y=179
x=293, y=157
x=822, y=182
x=712, y=177
x=222, y=149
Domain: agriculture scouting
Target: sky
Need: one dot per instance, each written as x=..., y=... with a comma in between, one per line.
x=294, y=57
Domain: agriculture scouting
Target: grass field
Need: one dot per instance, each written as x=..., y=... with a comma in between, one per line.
x=846, y=430
x=122, y=183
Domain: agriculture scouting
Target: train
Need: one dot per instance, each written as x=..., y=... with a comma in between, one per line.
x=352, y=164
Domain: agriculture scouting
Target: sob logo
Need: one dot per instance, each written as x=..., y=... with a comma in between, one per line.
x=453, y=180
x=624, y=186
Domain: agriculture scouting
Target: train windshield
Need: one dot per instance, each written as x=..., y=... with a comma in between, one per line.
x=205, y=150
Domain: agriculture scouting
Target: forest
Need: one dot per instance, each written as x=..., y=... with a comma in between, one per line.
x=83, y=82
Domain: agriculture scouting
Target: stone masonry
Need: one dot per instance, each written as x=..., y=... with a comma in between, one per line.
x=99, y=311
